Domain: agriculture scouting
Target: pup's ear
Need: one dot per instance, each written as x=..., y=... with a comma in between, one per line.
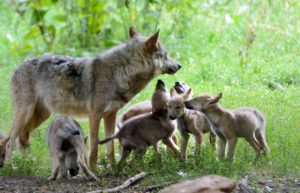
x=85, y=139
x=133, y=32
x=173, y=92
x=151, y=43
x=215, y=99
x=4, y=141
x=186, y=95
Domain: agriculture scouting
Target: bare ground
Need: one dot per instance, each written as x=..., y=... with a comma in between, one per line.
x=31, y=184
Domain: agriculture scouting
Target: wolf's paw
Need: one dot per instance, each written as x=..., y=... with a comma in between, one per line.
x=52, y=178
x=91, y=178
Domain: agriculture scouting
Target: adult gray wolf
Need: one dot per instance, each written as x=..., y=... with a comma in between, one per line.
x=94, y=87
x=148, y=129
x=67, y=147
x=229, y=125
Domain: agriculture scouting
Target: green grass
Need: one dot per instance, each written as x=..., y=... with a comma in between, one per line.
x=208, y=48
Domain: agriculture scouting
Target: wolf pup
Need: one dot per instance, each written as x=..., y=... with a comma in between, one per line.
x=3, y=142
x=94, y=87
x=146, y=107
x=230, y=125
x=66, y=143
x=144, y=130
x=189, y=121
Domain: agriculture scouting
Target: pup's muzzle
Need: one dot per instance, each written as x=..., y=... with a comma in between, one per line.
x=73, y=171
x=172, y=117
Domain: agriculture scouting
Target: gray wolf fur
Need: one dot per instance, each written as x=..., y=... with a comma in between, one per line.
x=3, y=142
x=67, y=147
x=94, y=87
x=144, y=130
x=245, y=122
x=189, y=121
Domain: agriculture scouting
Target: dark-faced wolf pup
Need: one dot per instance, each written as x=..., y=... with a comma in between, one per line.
x=138, y=133
x=146, y=107
x=67, y=147
x=94, y=87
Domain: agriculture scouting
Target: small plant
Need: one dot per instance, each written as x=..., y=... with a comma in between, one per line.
x=246, y=49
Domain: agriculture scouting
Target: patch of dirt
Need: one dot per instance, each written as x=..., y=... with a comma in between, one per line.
x=30, y=184
x=265, y=183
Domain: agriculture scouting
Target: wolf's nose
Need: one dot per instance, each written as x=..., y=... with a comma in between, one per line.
x=179, y=66
x=172, y=117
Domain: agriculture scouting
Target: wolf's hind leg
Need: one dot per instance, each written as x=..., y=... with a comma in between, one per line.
x=84, y=168
x=55, y=168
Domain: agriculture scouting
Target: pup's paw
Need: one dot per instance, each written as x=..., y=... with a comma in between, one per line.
x=52, y=178
x=91, y=178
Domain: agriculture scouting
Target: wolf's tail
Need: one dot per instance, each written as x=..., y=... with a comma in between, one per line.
x=120, y=121
x=108, y=139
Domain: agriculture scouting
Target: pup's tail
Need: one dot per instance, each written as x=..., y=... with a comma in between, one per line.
x=120, y=121
x=108, y=139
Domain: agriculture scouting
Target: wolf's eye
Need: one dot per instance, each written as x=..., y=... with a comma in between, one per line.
x=178, y=107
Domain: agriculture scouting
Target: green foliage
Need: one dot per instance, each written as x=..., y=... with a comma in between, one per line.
x=237, y=47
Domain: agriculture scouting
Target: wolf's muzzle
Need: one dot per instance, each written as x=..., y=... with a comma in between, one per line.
x=74, y=171
x=172, y=117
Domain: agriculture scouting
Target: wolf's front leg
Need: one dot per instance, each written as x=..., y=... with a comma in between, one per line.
x=198, y=139
x=109, y=126
x=173, y=147
x=222, y=147
x=184, y=142
x=94, y=123
x=231, y=148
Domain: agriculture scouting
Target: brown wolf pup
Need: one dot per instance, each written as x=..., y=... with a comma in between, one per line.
x=144, y=130
x=3, y=142
x=67, y=146
x=146, y=107
x=189, y=121
x=245, y=122
x=94, y=87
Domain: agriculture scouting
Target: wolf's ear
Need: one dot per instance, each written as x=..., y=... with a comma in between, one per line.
x=133, y=32
x=173, y=92
x=186, y=95
x=4, y=141
x=151, y=43
x=215, y=99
